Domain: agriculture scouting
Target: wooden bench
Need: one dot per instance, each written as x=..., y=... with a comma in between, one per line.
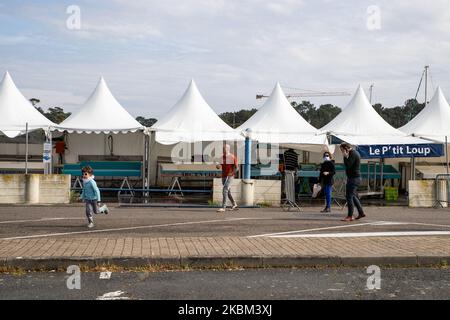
x=177, y=171
x=122, y=169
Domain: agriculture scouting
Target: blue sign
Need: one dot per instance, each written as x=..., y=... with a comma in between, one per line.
x=401, y=151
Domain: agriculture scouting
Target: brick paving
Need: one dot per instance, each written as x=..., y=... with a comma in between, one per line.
x=200, y=237
x=227, y=248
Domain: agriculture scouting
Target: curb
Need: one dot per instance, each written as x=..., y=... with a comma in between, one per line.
x=224, y=262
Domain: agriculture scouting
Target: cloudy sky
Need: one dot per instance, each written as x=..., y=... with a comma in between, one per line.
x=149, y=50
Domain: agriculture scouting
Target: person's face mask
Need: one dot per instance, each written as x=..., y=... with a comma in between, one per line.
x=326, y=158
x=86, y=177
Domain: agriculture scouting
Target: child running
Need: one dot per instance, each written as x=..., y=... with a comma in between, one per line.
x=91, y=195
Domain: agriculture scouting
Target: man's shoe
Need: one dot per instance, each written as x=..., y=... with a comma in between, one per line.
x=348, y=219
x=90, y=225
x=234, y=207
x=326, y=210
x=221, y=210
x=360, y=216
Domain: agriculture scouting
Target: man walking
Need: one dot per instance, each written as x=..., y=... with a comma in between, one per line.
x=229, y=169
x=352, y=161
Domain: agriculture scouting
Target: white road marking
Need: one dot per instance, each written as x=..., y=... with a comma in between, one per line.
x=374, y=223
x=430, y=224
x=126, y=228
x=105, y=275
x=115, y=295
x=365, y=234
x=315, y=229
x=388, y=223
x=39, y=220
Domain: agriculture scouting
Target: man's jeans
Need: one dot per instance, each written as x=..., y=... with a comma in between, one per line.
x=351, y=196
x=227, y=181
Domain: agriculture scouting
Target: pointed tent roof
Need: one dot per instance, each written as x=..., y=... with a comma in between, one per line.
x=16, y=111
x=433, y=121
x=191, y=119
x=101, y=113
x=278, y=122
x=360, y=124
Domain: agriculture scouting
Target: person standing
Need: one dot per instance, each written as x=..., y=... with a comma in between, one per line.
x=290, y=174
x=60, y=149
x=327, y=171
x=290, y=160
x=229, y=169
x=352, y=162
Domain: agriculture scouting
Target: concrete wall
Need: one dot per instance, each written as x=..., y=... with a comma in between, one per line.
x=34, y=188
x=422, y=193
x=54, y=188
x=12, y=188
x=266, y=191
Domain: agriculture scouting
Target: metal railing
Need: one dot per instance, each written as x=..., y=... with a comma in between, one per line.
x=442, y=190
x=289, y=189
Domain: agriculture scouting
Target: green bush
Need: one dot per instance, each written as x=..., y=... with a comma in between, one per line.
x=264, y=204
x=391, y=193
x=213, y=203
x=74, y=196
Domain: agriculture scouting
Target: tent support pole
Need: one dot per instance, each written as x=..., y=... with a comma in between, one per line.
x=446, y=153
x=149, y=140
x=413, y=168
x=248, y=187
x=50, y=165
x=26, y=148
x=382, y=176
x=146, y=163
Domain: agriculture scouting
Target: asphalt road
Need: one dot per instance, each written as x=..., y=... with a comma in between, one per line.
x=69, y=221
x=260, y=284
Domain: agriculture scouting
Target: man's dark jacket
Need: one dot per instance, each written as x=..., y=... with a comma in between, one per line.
x=352, y=164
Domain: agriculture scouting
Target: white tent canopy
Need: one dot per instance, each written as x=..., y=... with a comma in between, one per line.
x=278, y=122
x=16, y=111
x=101, y=113
x=191, y=119
x=360, y=124
x=433, y=122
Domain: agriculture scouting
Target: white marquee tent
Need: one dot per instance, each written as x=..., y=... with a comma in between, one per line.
x=101, y=113
x=433, y=122
x=16, y=111
x=360, y=124
x=190, y=120
x=278, y=122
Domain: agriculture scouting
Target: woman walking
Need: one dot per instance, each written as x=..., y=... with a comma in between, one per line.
x=327, y=171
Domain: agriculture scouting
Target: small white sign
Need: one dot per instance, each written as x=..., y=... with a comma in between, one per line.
x=47, y=154
x=47, y=147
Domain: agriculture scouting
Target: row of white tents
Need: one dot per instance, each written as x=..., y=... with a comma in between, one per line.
x=191, y=119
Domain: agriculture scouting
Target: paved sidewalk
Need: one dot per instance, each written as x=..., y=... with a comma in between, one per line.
x=223, y=251
x=56, y=236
